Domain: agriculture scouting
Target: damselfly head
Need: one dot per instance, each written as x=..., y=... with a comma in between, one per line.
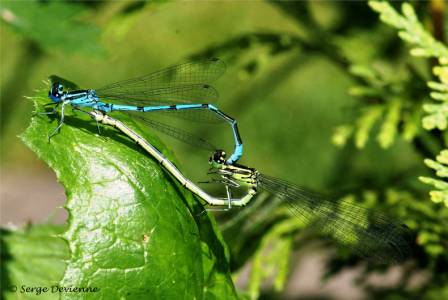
x=218, y=157
x=56, y=92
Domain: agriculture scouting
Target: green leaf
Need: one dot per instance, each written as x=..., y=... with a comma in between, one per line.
x=341, y=134
x=272, y=256
x=53, y=25
x=133, y=231
x=438, y=86
x=439, y=96
x=410, y=29
x=437, y=116
x=440, y=166
x=411, y=120
x=364, y=72
x=441, y=170
x=442, y=71
x=365, y=123
x=32, y=257
x=388, y=129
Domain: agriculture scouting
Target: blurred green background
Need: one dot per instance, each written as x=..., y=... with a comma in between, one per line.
x=286, y=83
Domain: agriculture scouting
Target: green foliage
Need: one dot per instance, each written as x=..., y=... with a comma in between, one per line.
x=32, y=257
x=437, y=114
x=53, y=25
x=392, y=95
x=389, y=105
x=393, y=92
x=130, y=224
x=410, y=30
x=289, y=67
x=425, y=45
x=271, y=260
x=392, y=89
x=440, y=166
x=432, y=227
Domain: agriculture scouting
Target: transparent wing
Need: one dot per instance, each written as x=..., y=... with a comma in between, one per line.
x=370, y=234
x=189, y=80
x=202, y=93
x=176, y=133
x=197, y=115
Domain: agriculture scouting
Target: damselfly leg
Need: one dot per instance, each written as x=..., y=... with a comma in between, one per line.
x=61, y=122
x=76, y=108
x=55, y=109
x=228, y=184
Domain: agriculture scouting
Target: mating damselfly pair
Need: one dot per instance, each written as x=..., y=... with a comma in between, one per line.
x=174, y=90
x=182, y=90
